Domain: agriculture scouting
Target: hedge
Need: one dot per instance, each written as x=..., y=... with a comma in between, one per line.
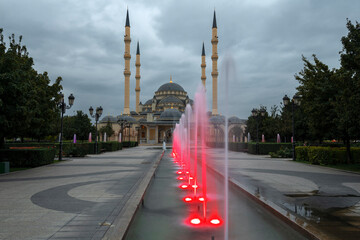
x=326, y=155
x=75, y=149
x=266, y=148
x=238, y=146
x=129, y=144
x=27, y=157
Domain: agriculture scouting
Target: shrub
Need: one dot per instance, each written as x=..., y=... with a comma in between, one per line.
x=282, y=153
x=238, y=146
x=27, y=157
x=301, y=153
x=266, y=148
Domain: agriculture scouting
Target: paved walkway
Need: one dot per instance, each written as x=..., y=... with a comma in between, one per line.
x=82, y=198
x=321, y=200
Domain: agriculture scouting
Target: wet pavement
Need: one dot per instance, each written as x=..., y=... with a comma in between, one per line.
x=164, y=214
x=81, y=198
x=320, y=200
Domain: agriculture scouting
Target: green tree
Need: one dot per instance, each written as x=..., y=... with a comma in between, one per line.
x=27, y=102
x=318, y=90
x=107, y=129
x=80, y=124
x=347, y=100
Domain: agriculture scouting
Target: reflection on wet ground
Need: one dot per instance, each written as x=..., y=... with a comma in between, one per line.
x=163, y=214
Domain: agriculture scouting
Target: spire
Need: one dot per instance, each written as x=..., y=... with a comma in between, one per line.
x=138, y=49
x=214, y=20
x=127, y=19
x=203, y=50
x=170, y=79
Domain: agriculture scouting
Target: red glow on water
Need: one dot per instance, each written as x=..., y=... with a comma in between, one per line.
x=215, y=221
x=195, y=221
x=184, y=186
x=188, y=199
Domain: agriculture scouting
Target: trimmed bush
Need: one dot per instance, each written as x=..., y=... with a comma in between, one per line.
x=238, y=146
x=282, y=153
x=129, y=144
x=302, y=153
x=326, y=155
x=266, y=148
x=27, y=157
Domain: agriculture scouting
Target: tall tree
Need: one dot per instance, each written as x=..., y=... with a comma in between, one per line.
x=27, y=100
x=317, y=89
x=348, y=83
x=80, y=124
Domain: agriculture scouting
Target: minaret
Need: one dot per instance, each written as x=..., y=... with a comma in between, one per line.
x=137, y=77
x=127, y=72
x=203, y=66
x=214, y=73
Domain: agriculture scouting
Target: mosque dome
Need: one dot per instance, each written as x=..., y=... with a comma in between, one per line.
x=171, y=87
x=126, y=118
x=148, y=102
x=170, y=99
x=235, y=120
x=108, y=118
x=171, y=114
x=217, y=119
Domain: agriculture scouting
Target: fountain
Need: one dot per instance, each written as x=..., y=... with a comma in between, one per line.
x=189, y=140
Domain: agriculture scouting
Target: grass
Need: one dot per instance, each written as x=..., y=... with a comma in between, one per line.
x=354, y=167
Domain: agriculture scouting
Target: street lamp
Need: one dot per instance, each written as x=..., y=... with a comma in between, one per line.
x=256, y=113
x=97, y=115
x=123, y=124
x=296, y=101
x=62, y=105
x=138, y=133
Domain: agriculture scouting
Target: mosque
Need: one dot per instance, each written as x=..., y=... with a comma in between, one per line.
x=154, y=121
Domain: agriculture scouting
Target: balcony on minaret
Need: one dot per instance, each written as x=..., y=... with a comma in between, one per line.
x=137, y=89
x=214, y=57
x=214, y=73
x=137, y=64
x=127, y=56
x=214, y=40
x=127, y=72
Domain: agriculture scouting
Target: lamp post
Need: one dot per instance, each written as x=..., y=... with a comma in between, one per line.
x=256, y=113
x=138, y=133
x=123, y=123
x=294, y=102
x=62, y=105
x=97, y=115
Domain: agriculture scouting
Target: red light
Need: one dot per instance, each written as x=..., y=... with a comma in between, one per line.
x=195, y=186
x=187, y=172
x=179, y=172
x=181, y=178
x=215, y=221
x=201, y=199
x=195, y=221
x=188, y=199
x=191, y=178
x=184, y=186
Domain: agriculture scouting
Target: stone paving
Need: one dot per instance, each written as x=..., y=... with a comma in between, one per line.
x=323, y=201
x=80, y=198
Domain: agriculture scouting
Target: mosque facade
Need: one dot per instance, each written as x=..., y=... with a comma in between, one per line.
x=154, y=120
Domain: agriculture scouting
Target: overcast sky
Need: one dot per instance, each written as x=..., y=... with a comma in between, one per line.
x=82, y=41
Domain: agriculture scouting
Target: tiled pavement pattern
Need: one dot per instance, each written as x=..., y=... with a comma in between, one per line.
x=80, y=198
